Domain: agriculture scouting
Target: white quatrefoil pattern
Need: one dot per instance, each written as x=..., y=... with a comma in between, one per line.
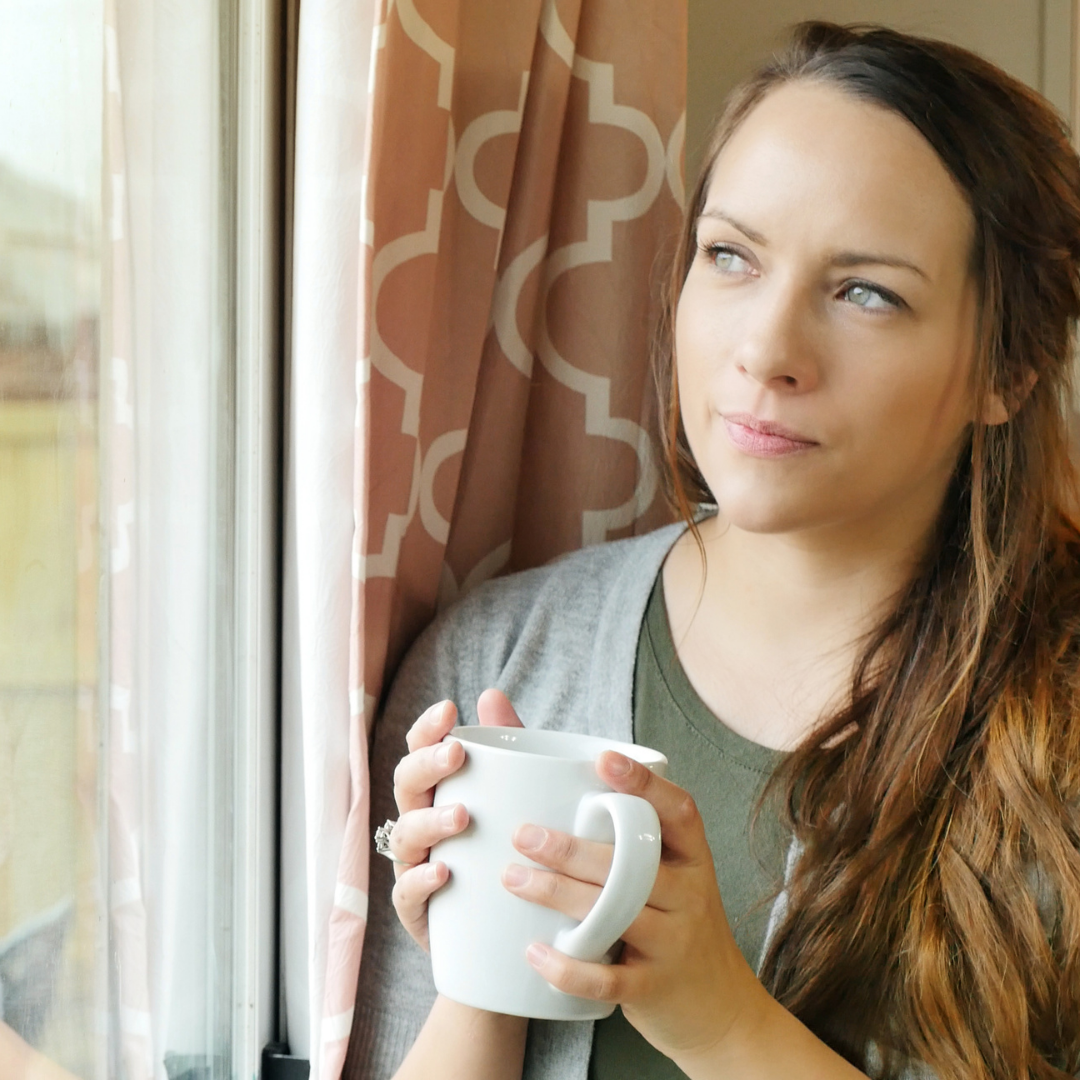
x=523, y=187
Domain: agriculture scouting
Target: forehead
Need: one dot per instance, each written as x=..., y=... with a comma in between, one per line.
x=812, y=162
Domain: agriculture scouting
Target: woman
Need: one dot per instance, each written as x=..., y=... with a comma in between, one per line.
x=867, y=371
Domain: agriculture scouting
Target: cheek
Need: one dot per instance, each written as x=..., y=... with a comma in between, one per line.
x=695, y=409
x=915, y=399
x=699, y=349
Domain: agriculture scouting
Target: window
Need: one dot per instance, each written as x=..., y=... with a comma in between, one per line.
x=138, y=329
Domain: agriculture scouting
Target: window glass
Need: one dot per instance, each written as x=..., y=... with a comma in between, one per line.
x=51, y=915
x=117, y=533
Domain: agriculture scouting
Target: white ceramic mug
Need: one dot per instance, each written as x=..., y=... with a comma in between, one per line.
x=479, y=931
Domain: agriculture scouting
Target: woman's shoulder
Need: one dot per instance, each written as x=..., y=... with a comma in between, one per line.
x=571, y=584
x=561, y=609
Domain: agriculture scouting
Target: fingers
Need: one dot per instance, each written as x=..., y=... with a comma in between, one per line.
x=418, y=772
x=432, y=725
x=429, y=760
x=557, y=891
x=600, y=982
x=411, y=893
x=576, y=898
x=680, y=823
x=586, y=861
x=493, y=709
x=417, y=831
x=571, y=855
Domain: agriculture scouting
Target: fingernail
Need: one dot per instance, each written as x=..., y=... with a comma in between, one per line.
x=536, y=954
x=531, y=837
x=436, y=714
x=432, y=872
x=442, y=755
x=446, y=817
x=515, y=875
x=618, y=765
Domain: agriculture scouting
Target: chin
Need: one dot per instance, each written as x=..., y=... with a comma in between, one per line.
x=765, y=524
x=756, y=512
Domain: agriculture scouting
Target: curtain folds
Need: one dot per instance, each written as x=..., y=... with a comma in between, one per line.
x=167, y=513
x=522, y=181
x=334, y=49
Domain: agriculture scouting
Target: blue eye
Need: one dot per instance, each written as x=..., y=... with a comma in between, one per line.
x=727, y=260
x=870, y=297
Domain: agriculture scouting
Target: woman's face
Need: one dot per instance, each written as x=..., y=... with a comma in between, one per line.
x=825, y=333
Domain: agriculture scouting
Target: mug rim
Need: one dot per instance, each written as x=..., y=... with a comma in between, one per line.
x=494, y=738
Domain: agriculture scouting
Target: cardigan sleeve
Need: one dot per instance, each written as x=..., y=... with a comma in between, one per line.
x=395, y=991
x=560, y=640
x=458, y=656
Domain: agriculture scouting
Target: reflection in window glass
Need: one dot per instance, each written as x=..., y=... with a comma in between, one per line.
x=117, y=504
x=50, y=168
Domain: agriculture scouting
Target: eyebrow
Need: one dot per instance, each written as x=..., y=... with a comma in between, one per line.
x=843, y=258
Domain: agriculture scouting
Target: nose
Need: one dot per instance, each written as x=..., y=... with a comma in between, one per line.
x=776, y=348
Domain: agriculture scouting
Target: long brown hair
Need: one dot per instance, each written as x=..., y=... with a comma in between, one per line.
x=934, y=912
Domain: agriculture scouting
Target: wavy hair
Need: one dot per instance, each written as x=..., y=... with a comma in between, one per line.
x=934, y=913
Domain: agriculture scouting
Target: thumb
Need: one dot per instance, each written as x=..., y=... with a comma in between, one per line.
x=494, y=709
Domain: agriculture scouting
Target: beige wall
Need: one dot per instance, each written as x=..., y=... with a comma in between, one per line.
x=1032, y=39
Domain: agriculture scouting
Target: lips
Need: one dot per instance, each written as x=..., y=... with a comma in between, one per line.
x=764, y=438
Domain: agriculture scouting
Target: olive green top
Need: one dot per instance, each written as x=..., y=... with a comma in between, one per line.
x=725, y=774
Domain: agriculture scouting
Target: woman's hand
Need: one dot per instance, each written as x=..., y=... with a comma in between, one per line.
x=681, y=980
x=419, y=824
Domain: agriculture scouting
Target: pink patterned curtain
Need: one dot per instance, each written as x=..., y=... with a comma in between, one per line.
x=524, y=173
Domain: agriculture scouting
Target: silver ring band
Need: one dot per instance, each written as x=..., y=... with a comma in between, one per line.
x=382, y=842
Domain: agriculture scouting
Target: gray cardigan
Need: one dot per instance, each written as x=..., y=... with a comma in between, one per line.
x=561, y=642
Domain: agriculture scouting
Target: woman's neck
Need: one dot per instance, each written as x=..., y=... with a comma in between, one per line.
x=769, y=628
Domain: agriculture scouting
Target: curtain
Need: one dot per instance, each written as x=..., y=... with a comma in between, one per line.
x=334, y=47
x=473, y=296
x=166, y=506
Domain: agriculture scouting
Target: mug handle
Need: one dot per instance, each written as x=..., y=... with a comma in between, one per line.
x=633, y=871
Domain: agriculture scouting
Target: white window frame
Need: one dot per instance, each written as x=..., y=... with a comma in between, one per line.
x=260, y=93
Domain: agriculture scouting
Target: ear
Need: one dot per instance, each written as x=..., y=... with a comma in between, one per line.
x=998, y=410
